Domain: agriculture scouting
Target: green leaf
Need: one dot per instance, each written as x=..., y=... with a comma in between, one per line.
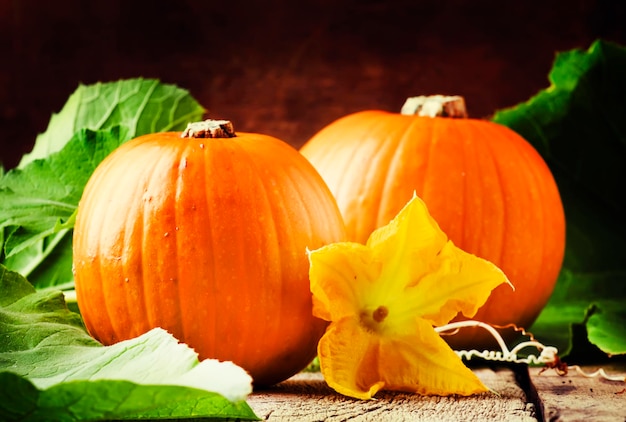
x=139, y=105
x=51, y=369
x=20, y=400
x=605, y=326
x=577, y=124
x=39, y=198
x=47, y=262
x=39, y=203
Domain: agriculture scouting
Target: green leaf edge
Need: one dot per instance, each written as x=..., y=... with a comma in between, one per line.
x=560, y=89
x=77, y=401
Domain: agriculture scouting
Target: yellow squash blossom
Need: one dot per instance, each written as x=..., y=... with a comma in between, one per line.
x=384, y=298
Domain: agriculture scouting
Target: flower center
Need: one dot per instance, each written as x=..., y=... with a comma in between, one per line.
x=380, y=314
x=372, y=320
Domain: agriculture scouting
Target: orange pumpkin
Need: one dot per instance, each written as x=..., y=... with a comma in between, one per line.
x=488, y=189
x=207, y=239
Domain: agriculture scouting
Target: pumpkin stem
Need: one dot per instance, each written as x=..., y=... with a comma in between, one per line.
x=435, y=106
x=209, y=129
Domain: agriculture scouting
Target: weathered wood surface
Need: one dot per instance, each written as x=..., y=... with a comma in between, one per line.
x=306, y=397
x=532, y=395
x=578, y=398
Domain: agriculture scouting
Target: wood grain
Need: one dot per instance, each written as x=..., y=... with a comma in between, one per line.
x=306, y=397
x=575, y=397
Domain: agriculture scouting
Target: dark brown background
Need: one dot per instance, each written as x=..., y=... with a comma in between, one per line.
x=287, y=68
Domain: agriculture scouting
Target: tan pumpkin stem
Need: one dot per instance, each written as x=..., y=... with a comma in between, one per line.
x=209, y=129
x=435, y=106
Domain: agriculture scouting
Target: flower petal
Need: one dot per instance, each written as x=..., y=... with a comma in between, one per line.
x=340, y=274
x=358, y=363
x=462, y=283
x=407, y=247
x=348, y=359
x=425, y=364
x=426, y=272
x=407, y=244
x=383, y=299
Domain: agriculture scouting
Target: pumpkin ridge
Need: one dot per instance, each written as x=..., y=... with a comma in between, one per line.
x=540, y=172
x=527, y=167
x=132, y=285
x=178, y=239
x=362, y=163
x=486, y=132
x=140, y=287
x=117, y=323
x=293, y=181
x=423, y=132
x=465, y=149
x=101, y=279
x=104, y=317
x=429, y=134
x=345, y=184
x=292, y=226
x=370, y=168
x=252, y=161
x=154, y=213
x=506, y=215
x=504, y=259
x=543, y=241
x=210, y=197
x=400, y=148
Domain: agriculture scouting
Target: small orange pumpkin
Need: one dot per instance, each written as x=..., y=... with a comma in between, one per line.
x=205, y=234
x=488, y=188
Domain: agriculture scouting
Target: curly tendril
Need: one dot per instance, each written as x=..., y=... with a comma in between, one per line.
x=548, y=355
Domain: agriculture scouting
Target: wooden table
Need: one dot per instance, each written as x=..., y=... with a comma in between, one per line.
x=523, y=394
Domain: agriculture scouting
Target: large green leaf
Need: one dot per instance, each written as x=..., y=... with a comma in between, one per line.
x=38, y=205
x=39, y=198
x=578, y=124
x=45, y=193
x=51, y=369
x=112, y=400
x=140, y=105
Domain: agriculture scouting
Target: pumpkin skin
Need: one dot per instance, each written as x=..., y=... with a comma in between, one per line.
x=487, y=187
x=207, y=239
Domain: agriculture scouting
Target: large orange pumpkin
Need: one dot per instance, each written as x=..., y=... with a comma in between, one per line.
x=487, y=187
x=205, y=235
